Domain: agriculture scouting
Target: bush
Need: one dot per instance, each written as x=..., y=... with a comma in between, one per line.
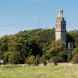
x=75, y=59
x=75, y=55
x=43, y=60
x=12, y=57
x=60, y=57
x=30, y=60
x=37, y=60
x=33, y=60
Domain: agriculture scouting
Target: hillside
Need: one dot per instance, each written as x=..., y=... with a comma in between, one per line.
x=37, y=44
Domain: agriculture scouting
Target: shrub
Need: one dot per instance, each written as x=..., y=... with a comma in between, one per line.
x=43, y=60
x=30, y=60
x=75, y=55
x=33, y=60
x=12, y=57
x=37, y=60
x=75, y=59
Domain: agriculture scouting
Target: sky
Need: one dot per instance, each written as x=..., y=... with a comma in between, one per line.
x=18, y=15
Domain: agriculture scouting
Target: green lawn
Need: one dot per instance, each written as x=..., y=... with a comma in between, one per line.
x=49, y=71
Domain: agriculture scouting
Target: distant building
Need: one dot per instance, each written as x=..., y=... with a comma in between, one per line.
x=60, y=31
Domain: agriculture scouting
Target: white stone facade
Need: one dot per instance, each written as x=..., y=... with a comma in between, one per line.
x=60, y=30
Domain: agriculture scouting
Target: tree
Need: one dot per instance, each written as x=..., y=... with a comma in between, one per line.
x=12, y=57
x=55, y=51
x=26, y=44
x=75, y=55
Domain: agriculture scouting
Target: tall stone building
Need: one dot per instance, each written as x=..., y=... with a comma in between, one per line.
x=60, y=30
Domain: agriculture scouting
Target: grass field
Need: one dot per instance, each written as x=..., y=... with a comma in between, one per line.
x=49, y=71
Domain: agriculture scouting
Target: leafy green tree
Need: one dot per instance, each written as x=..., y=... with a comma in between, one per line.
x=12, y=57
x=4, y=44
x=55, y=50
x=75, y=55
x=25, y=44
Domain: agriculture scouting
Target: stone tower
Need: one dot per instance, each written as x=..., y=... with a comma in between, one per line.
x=60, y=30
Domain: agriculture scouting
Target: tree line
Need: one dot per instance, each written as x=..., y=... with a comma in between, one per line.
x=35, y=47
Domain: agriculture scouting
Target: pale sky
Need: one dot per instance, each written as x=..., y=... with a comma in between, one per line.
x=18, y=15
